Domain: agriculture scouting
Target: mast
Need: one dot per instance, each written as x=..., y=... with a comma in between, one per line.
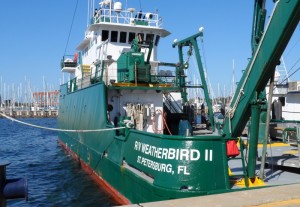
x=233, y=80
x=192, y=42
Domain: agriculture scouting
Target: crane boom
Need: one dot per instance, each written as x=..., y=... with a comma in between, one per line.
x=259, y=16
x=280, y=28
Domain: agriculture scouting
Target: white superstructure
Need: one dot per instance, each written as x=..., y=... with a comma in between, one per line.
x=110, y=31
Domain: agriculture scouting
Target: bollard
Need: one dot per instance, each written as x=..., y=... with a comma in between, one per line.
x=11, y=188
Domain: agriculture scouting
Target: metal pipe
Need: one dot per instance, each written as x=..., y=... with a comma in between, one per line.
x=255, y=112
x=298, y=142
x=267, y=129
x=135, y=73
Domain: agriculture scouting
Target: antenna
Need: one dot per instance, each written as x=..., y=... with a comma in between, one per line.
x=233, y=79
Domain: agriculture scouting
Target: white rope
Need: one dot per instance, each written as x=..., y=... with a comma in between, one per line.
x=59, y=130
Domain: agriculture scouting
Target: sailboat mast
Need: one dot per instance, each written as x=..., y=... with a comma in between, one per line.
x=233, y=79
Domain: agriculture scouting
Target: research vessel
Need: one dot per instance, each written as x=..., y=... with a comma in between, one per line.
x=122, y=119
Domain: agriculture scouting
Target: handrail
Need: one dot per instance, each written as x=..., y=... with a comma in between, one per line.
x=171, y=103
x=284, y=121
x=127, y=17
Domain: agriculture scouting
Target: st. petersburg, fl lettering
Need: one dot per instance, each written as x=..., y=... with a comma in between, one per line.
x=165, y=154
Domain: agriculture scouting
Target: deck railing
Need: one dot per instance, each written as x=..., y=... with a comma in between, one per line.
x=127, y=17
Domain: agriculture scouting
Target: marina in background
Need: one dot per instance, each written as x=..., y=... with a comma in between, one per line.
x=155, y=124
x=144, y=137
x=23, y=101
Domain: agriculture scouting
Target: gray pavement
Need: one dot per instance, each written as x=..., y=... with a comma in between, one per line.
x=286, y=195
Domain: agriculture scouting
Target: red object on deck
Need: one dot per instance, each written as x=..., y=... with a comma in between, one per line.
x=232, y=149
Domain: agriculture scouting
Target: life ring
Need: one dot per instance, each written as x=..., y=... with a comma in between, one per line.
x=75, y=57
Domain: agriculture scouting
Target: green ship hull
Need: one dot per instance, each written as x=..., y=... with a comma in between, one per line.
x=141, y=166
x=118, y=119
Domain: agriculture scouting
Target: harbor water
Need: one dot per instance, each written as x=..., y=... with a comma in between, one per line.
x=54, y=177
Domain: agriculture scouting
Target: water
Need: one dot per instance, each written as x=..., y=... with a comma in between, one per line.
x=54, y=178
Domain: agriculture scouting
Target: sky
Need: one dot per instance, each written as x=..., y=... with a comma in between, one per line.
x=35, y=35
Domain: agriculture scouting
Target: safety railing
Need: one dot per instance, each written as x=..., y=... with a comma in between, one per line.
x=128, y=16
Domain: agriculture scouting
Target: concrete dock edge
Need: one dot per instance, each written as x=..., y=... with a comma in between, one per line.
x=286, y=195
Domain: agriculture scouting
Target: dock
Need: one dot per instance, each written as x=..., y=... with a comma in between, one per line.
x=286, y=195
x=30, y=114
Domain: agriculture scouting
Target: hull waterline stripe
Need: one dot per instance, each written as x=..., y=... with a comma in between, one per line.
x=116, y=196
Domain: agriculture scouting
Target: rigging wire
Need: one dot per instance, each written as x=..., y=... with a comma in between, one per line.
x=293, y=65
x=288, y=76
x=298, y=40
x=71, y=27
x=291, y=74
x=210, y=89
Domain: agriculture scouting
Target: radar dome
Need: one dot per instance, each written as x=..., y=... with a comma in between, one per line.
x=118, y=6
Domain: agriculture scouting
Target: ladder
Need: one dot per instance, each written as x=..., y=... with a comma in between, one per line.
x=86, y=70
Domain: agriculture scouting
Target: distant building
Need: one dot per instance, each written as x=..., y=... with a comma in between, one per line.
x=46, y=99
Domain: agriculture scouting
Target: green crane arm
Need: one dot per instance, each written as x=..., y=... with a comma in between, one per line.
x=259, y=16
x=192, y=41
x=261, y=67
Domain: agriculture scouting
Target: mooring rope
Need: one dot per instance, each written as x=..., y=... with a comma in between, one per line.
x=59, y=130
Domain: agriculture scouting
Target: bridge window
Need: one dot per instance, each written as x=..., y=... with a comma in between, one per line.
x=149, y=37
x=114, y=36
x=104, y=35
x=131, y=37
x=282, y=100
x=123, y=37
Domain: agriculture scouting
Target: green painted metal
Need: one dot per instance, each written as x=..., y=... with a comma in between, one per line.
x=285, y=121
x=267, y=129
x=192, y=42
x=254, y=129
x=132, y=66
x=157, y=166
x=258, y=26
x=262, y=65
x=180, y=73
x=176, y=163
x=259, y=16
x=285, y=132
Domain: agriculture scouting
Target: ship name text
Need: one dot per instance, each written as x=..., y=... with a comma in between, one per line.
x=167, y=153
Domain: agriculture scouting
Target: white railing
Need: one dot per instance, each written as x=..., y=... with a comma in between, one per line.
x=127, y=17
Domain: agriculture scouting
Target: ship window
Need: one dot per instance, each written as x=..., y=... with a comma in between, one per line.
x=282, y=100
x=149, y=37
x=141, y=35
x=131, y=37
x=123, y=37
x=157, y=40
x=104, y=35
x=114, y=36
